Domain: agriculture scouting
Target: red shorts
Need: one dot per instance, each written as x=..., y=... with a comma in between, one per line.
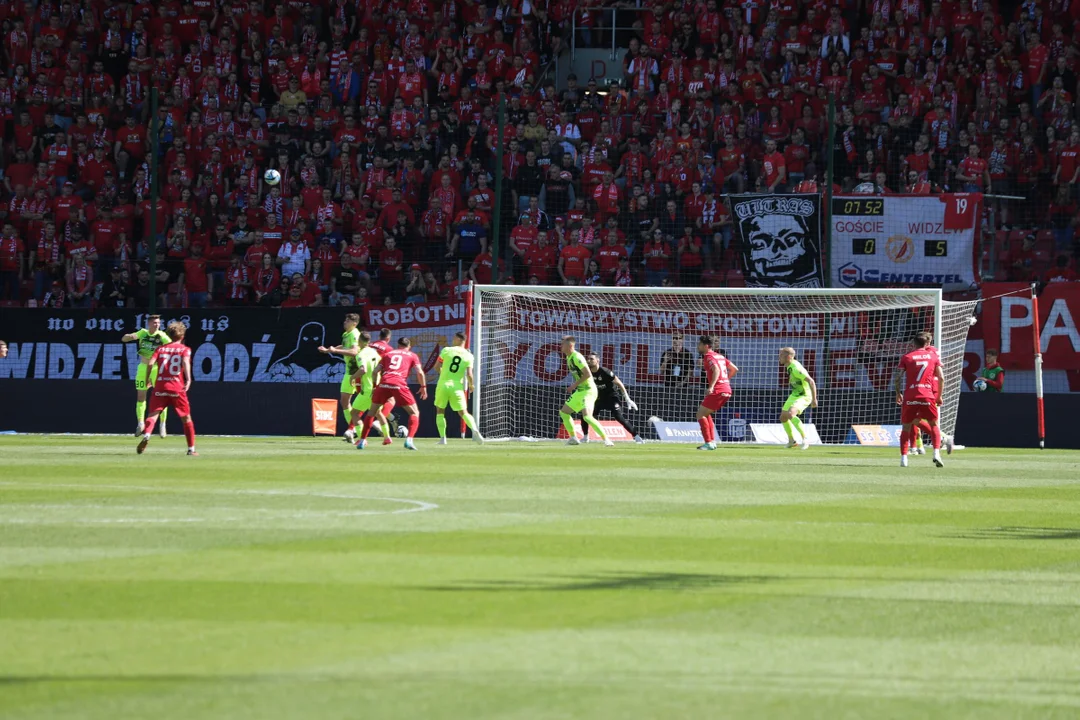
x=715, y=401
x=402, y=395
x=915, y=410
x=161, y=399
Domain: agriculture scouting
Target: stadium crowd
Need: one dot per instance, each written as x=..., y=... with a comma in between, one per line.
x=381, y=116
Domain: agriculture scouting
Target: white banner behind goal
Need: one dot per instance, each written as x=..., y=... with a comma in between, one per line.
x=849, y=340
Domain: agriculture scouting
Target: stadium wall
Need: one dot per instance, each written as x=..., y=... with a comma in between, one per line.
x=256, y=372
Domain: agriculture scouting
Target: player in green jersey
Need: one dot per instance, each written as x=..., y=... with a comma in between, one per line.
x=363, y=380
x=583, y=394
x=149, y=339
x=803, y=395
x=993, y=374
x=348, y=349
x=455, y=379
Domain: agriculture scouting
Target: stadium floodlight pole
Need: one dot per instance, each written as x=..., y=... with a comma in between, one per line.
x=153, y=198
x=1038, y=367
x=496, y=222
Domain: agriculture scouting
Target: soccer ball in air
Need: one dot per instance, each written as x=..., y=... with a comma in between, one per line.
x=402, y=431
x=979, y=384
x=271, y=177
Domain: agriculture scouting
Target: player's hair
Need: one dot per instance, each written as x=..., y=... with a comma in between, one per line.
x=923, y=339
x=570, y=339
x=404, y=342
x=353, y=318
x=707, y=340
x=592, y=355
x=787, y=351
x=989, y=351
x=384, y=334
x=460, y=336
x=3, y=344
x=176, y=330
x=364, y=337
x=153, y=317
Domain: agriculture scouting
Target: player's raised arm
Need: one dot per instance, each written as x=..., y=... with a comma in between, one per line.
x=130, y=337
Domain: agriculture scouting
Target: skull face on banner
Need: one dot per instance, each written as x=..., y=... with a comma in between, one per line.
x=779, y=235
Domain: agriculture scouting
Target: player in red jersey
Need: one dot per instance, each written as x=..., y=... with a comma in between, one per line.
x=718, y=373
x=392, y=383
x=923, y=426
x=173, y=363
x=382, y=346
x=919, y=383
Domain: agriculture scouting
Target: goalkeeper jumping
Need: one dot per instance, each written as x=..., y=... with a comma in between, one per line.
x=606, y=398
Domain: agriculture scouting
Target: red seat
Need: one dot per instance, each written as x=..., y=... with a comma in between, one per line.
x=735, y=278
x=10, y=303
x=1045, y=237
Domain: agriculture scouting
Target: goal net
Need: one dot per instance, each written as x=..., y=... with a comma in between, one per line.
x=849, y=340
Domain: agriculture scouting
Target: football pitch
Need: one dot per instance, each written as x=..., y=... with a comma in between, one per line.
x=299, y=578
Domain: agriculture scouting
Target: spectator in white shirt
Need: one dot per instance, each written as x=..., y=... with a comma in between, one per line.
x=294, y=255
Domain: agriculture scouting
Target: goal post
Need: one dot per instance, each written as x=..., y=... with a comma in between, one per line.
x=850, y=340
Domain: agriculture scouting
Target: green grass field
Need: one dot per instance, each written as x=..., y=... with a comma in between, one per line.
x=298, y=578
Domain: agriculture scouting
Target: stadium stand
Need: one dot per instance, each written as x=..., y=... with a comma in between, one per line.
x=382, y=118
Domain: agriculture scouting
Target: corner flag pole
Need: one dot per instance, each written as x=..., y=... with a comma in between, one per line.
x=1038, y=367
x=153, y=198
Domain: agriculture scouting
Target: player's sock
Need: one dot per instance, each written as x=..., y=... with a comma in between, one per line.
x=595, y=425
x=140, y=411
x=470, y=421
x=189, y=434
x=797, y=424
x=368, y=420
x=440, y=422
x=788, y=429
x=148, y=425
x=164, y=414
x=712, y=429
x=414, y=425
x=568, y=423
x=905, y=440
x=935, y=436
x=703, y=423
x=385, y=426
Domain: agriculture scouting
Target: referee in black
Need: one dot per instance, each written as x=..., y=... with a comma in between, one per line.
x=606, y=397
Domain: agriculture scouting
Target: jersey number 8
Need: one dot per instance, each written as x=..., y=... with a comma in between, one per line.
x=455, y=364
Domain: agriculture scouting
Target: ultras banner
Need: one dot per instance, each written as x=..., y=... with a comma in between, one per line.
x=904, y=240
x=781, y=239
x=228, y=344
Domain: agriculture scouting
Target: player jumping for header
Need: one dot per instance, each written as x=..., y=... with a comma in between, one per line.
x=149, y=339
x=173, y=363
x=718, y=373
x=606, y=399
x=919, y=383
x=582, y=394
x=455, y=377
x=803, y=395
x=393, y=383
x=363, y=381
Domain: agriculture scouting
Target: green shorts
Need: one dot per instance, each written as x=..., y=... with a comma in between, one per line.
x=581, y=399
x=362, y=402
x=347, y=388
x=796, y=404
x=450, y=394
x=143, y=372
